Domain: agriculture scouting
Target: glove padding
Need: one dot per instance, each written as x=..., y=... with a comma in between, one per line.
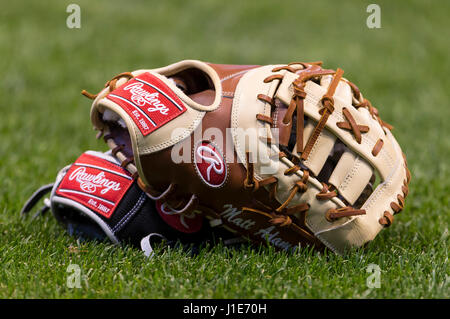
x=95, y=198
x=286, y=154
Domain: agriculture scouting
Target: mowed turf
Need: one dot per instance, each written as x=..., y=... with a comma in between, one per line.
x=402, y=68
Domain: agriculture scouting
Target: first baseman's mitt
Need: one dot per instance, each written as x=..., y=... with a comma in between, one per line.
x=289, y=154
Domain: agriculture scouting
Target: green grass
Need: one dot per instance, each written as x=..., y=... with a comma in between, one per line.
x=402, y=68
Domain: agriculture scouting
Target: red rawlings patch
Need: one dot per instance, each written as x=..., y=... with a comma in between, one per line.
x=95, y=183
x=184, y=223
x=148, y=101
x=210, y=164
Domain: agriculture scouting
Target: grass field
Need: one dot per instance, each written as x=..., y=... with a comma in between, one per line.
x=402, y=68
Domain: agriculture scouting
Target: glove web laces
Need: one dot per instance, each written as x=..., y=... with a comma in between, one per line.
x=284, y=215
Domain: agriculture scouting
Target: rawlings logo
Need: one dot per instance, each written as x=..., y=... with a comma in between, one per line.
x=141, y=97
x=210, y=164
x=90, y=182
x=148, y=101
x=214, y=160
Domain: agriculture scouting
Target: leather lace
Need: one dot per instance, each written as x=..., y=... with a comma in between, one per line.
x=282, y=215
x=111, y=84
x=306, y=72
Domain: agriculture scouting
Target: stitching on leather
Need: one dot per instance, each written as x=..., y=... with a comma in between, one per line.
x=380, y=190
x=275, y=118
x=233, y=75
x=227, y=94
x=350, y=175
x=130, y=214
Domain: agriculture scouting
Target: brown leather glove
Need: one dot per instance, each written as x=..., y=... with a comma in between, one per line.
x=286, y=154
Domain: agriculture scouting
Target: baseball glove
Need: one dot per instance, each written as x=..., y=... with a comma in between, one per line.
x=290, y=155
x=94, y=198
